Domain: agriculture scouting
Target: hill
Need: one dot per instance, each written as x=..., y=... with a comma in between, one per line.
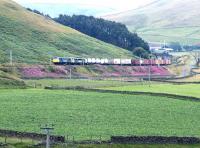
x=104, y=30
x=9, y=78
x=34, y=38
x=175, y=20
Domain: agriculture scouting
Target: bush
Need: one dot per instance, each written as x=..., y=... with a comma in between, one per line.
x=140, y=52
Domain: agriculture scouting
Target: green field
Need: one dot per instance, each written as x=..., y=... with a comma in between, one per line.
x=184, y=90
x=82, y=114
x=184, y=35
x=10, y=81
x=86, y=83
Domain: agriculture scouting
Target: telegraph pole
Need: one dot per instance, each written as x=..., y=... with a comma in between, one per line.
x=11, y=58
x=150, y=72
x=47, y=132
x=70, y=73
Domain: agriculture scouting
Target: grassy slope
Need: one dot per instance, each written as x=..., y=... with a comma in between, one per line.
x=34, y=38
x=83, y=114
x=175, y=20
x=9, y=78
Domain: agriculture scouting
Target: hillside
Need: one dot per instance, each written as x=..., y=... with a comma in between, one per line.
x=9, y=78
x=35, y=39
x=175, y=20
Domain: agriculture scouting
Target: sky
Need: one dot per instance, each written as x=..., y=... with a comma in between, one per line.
x=120, y=5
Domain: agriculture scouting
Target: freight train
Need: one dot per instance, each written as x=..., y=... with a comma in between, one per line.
x=105, y=61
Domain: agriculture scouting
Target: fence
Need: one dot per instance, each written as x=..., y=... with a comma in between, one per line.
x=154, y=140
x=34, y=136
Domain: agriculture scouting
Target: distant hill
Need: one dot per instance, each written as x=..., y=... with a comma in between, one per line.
x=35, y=39
x=170, y=20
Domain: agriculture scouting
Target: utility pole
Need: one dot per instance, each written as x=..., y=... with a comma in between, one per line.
x=150, y=72
x=70, y=73
x=47, y=132
x=11, y=58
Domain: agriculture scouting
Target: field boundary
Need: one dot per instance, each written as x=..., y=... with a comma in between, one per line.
x=173, y=96
x=113, y=139
x=35, y=136
x=154, y=140
x=174, y=82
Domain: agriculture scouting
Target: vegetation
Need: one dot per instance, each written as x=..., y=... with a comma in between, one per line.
x=82, y=114
x=176, y=46
x=181, y=35
x=195, y=78
x=107, y=31
x=36, y=39
x=9, y=80
x=196, y=56
x=185, y=90
x=140, y=52
x=154, y=22
x=75, y=83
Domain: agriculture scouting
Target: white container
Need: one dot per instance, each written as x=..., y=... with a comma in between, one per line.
x=89, y=60
x=106, y=61
x=126, y=61
x=98, y=61
x=102, y=61
x=116, y=61
x=93, y=60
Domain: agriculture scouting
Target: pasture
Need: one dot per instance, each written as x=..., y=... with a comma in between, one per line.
x=184, y=90
x=86, y=83
x=86, y=114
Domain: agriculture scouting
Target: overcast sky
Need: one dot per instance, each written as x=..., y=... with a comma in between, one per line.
x=116, y=4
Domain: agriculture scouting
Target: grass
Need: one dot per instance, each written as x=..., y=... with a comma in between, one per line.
x=82, y=114
x=185, y=90
x=155, y=23
x=195, y=78
x=8, y=80
x=76, y=83
x=35, y=39
x=184, y=35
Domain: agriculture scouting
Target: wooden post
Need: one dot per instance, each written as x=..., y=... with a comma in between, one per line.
x=5, y=139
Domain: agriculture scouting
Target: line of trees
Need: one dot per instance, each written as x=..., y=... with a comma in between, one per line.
x=107, y=31
x=104, y=30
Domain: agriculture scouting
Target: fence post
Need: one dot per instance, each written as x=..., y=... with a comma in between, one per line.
x=100, y=139
x=67, y=138
x=21, y=139
x=91, y=138
x=5, y=139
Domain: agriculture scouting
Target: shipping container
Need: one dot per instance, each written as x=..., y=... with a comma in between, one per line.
x=116, y=61
x=98, y=61
x=126, y=61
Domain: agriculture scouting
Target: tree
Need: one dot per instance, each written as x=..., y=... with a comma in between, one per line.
x=196, y=56
x=107, y=31
x=140, y=52
x=176, y=46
